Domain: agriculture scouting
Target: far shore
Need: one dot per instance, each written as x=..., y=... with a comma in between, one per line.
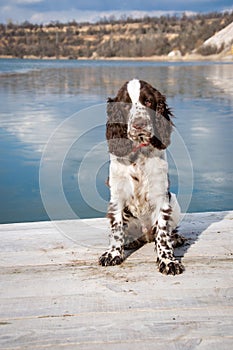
x=189, y=57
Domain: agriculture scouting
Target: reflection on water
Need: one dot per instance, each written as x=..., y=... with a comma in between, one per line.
x=37, y=96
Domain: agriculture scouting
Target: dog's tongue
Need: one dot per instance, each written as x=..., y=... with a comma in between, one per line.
x=143, y=144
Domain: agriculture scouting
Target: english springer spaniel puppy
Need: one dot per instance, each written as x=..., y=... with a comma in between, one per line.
x=138, y=131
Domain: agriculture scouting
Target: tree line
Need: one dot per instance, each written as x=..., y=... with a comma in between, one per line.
x=109, y=37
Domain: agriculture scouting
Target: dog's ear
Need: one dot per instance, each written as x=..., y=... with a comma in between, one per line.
x=116, y=128
x=162, y=122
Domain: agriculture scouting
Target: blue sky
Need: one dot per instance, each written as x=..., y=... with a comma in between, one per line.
x=44, y=11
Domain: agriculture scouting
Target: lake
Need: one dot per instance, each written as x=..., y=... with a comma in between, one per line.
x=54, y=159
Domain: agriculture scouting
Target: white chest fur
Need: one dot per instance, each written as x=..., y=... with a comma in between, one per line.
x=141, y=185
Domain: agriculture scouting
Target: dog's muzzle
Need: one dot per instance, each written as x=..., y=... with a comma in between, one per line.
x=140, y=127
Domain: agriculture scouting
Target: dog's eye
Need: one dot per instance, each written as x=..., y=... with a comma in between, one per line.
x=147, y=102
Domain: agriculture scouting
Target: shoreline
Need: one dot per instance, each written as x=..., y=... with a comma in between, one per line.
x=165, y=58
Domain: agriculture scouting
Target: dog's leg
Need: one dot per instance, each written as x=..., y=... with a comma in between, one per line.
x=115, y=253
x=166, y=261
x=134, y=236
x=177, y=239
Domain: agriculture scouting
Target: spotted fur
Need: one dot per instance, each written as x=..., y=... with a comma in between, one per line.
x=141, y=207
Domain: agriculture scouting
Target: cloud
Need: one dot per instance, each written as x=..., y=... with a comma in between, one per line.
x=64, y=16
x=20, y=14
x=27, y=2
x=44, y=11
x=90, y=16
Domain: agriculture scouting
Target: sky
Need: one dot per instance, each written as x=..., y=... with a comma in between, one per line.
x=45, y=11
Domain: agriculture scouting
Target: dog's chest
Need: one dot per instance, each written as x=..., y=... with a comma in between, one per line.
x=139, y=201
x=148, y=178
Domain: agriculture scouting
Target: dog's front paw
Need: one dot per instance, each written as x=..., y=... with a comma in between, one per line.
x=170, y=267
x=111, y=257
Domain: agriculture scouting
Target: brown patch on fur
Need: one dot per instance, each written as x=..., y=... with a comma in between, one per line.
x=160, y=114
x=135, y=178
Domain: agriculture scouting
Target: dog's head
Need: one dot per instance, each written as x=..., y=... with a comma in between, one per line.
x=138, y=115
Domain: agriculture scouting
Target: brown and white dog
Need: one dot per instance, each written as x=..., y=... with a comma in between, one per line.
x=138, y=131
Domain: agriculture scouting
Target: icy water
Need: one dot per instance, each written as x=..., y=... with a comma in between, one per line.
x=54, y=160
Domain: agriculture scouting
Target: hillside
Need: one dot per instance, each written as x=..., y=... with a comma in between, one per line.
x=108, y=39
x=223, y=37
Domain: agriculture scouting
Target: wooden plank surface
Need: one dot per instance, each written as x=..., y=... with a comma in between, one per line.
x=53, y=294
